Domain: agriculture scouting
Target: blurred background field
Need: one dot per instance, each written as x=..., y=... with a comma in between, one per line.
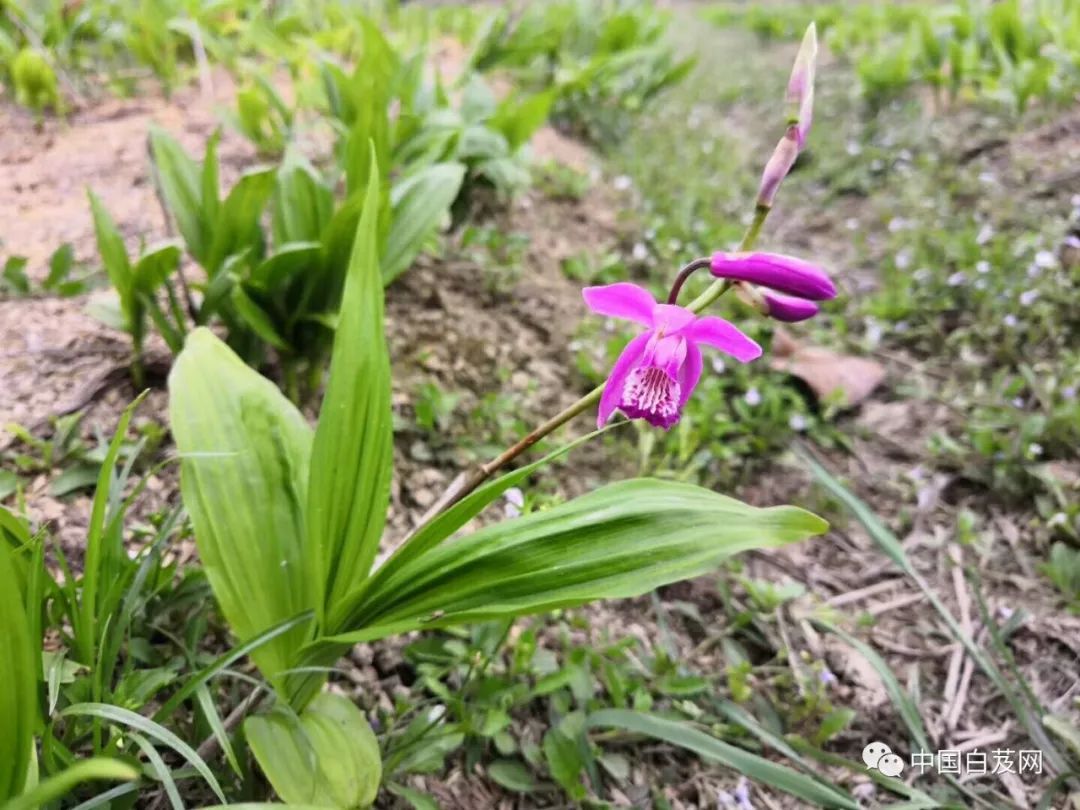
x=168, y=163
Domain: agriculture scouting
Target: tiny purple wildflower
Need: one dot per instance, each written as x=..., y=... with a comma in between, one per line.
x=659, y=369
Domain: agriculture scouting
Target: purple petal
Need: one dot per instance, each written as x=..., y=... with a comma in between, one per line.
x=690, y=373
x=720, y=334
x=785, y=274
x=788, y=308
x=613, y=388
x=622, y=300
x=670, y=318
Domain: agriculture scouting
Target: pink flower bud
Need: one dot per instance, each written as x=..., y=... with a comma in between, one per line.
x=783, y=158
x=787, y=308
x=800, y=92
x=785, y=274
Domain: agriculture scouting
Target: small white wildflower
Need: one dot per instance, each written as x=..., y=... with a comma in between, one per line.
x=622, y=182
x=827, y=677
x=957, y=279
x=851, y=223
x=515, y=499
x=1027, y=297
x=873, y=333
x=1072, y=241
x=674, y=245
x=1069, y=392
x=1035, y=449
x=987, y=178
x=718, y=365
x=1058, y=519
x=742, y=794
x=1045, y=259
x=900, y=327
x=797, y=422
x=854, y=148
x=1010, y=321
x=752, y=397
x=640, y=252
x=980, y=284
x=1005, y=613
x=986, y=233
x=982, y=267
x=897, y=224
x=903, y=259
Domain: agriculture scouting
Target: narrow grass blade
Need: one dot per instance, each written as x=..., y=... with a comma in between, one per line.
x=160, y=769
x=60, y=785
x=131, y=720
x=749, y=764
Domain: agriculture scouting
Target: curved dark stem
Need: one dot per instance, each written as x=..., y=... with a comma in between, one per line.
x=684, y=274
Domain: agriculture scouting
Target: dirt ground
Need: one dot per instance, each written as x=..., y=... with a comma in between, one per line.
x=449, y=325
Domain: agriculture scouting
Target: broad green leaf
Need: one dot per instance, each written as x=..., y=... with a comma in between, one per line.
x=60, y=264
x=518, y=120
x=289, y=259
x=19, y=676
x=754, y=767
x=244, y=452
x=512, y=775
x=622, y=540
x=257, y=319
x=155, y=266
x=113, y=253
x=352, y=456
x=448, y=522
x=237, y=226
x=327, y=755
x=182, y=187
x=59, y=786
x=301, y=204
x=419, y=202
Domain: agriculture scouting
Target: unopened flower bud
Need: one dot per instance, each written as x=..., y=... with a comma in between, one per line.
x=783, y=158
x=800, y=92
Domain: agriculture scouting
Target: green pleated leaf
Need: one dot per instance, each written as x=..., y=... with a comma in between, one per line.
x=419, y=203
x=327, y=755
x=352, y=457
x=301, y=204
x=18, y=674
x=154, y=266
x=182, y=185
x=622, y=540
x=237, y=226
x=754, y=767
x=113, y=253
x=447, y=523
x=289, y=259
x=244, y=452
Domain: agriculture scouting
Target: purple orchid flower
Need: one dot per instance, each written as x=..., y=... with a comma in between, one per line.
x=659, y=369
x=787, y=287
